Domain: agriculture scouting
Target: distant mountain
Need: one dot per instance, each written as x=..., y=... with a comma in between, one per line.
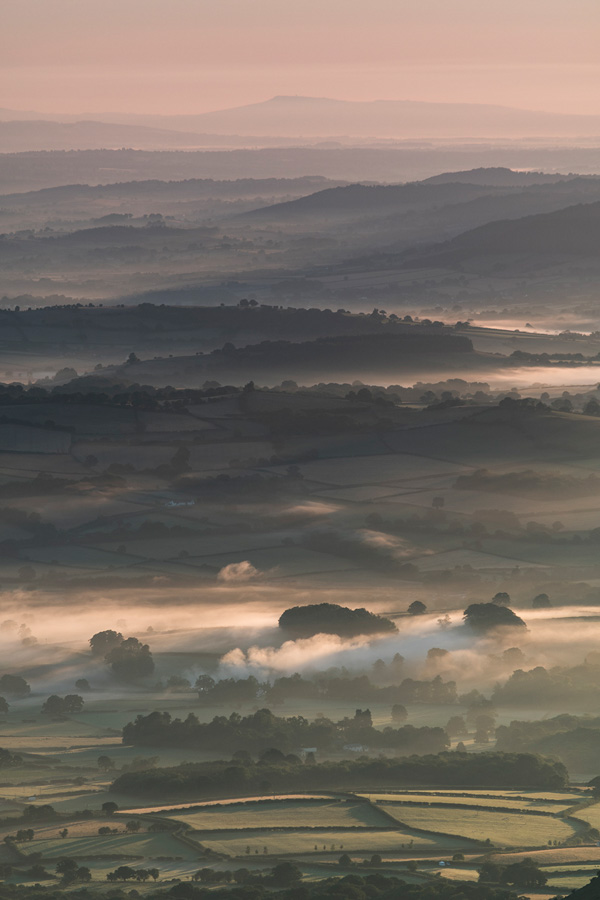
x=318, y=116
x=311, y=117
x=321, y=116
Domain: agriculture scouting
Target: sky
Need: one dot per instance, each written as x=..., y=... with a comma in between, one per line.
x=191, y=56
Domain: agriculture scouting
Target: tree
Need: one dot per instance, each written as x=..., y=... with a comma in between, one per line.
x=204, y=684
x=285, y=874
x=63, y=832
x=153, y=873
x=105, y=763
x=484, y=728
x=456, y=726
x=14, y=685
x=329, y=618
x=3, y=705
x=133, y=826
x=344, y=860
x=61, y=706
x=73, y=704
x=109, y=808
x=53, y=706
x=417, y=608
x=82, y=684
x=438, y=503
x=83, y=874
x=104, y=641
x=501, y=598
x=541, y=601
x=66, y=866
x=131, y=660
x=484, y=617
x=524, y=873
x=490, y=871
x=124, y=873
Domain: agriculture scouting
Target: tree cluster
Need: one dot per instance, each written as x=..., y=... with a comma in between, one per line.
x=128, y=658
x=450, y=769
x=261, y=730
x=329, y=618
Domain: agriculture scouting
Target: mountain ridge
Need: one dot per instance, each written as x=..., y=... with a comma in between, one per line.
x=291, y=116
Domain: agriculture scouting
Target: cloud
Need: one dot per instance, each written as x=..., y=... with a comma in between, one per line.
x=238, y=573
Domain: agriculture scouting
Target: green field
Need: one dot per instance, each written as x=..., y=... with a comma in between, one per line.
x=481, y=802
x=299, y=814
x=567, y=883
x=506, y=830
x=142, y=846
x=456, y=874
x=393, y=842
x=591, y=814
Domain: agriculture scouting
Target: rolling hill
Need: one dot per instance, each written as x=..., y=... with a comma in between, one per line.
x=570, y=232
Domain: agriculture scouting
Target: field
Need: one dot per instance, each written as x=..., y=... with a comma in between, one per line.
x=392, y=843
x=295, y=814
x=591, y=814
x=132, y=846
x=504, y=830
x=479, y=802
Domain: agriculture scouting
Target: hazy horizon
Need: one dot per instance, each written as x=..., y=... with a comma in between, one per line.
x=193, y=57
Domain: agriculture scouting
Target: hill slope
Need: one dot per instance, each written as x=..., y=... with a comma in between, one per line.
x=574, y=231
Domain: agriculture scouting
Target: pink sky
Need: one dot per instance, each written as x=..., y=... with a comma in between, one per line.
x=196, y=55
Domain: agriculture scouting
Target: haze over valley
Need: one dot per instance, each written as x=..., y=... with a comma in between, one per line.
x=299, y=467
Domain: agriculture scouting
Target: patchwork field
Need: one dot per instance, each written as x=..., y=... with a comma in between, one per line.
x=506, y=830
x=480, y=802
x=293, y=814
x=132, y=846
x=393, y=842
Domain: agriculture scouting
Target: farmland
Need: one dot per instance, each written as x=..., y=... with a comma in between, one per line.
x=189, y=528
x=502, y=829
x=328, y=814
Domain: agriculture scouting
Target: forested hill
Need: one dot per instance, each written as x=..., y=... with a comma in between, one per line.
x=574, y=231
x=351, y=356
x=362, y=200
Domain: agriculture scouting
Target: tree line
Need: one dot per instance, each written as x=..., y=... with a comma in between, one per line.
x=288, y=773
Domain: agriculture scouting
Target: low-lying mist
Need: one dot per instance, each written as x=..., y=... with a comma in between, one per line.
x=230, y=630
